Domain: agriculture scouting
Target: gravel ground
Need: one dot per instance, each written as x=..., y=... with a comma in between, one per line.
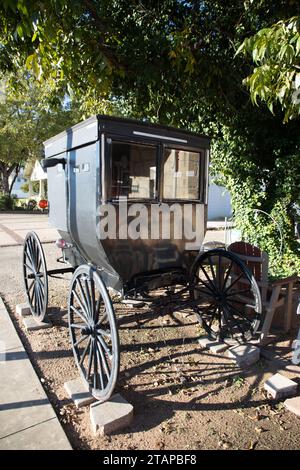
x=183, y=397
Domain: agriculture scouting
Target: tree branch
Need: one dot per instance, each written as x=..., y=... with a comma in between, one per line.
x=103, y=28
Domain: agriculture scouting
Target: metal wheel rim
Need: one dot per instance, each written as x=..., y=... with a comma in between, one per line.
x=93, y=332
x=226, y=304
x=35, y=276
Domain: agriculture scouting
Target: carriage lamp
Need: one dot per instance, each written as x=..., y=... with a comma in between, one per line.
x=62, y=244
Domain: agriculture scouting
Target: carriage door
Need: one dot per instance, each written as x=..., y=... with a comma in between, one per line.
x=132, y=190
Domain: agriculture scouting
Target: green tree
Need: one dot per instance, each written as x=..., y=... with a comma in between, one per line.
x=171, y=62
x=276, y=77
x=26, y=120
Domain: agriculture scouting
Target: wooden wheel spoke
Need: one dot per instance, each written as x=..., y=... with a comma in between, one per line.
x=238, y=292
x=205, y=308
x=88, y=297
x=95, y=366
x=31, y=285
x=104, y=360
x=200, y=289
x=100, y=369
x=102, y=319
x=86, y=305
x=226, y=277
x=29, y=257
x=241, y=314
x=207, y=277
x=91, y=355
x=234, y=282
x=105, y=346
x=29, y=267
x=212, y=270
x=81, y=305
x=104, y=333
x=213, y=316
x=206, y=285
x=78, y=326
x=81, y=340
x=79, y=314
x=85, y=351
x=240, y=302
x=92, y=299
x=230, y=318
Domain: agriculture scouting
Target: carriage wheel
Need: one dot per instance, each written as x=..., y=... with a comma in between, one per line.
x=93, y=332
x=35, y=276
x=225, y=296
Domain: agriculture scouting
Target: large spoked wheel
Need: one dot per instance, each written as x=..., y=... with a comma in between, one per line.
x=225, y=296
x=35, y=276
x=93, y=332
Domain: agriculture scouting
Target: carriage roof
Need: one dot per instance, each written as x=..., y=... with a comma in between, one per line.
x=89, y=131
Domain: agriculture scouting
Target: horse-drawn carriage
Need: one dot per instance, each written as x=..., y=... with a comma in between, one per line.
x=129, y=201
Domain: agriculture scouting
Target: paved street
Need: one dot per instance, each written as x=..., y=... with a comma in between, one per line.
x=14, y=227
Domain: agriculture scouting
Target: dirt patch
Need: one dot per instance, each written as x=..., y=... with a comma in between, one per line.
x=183, y=397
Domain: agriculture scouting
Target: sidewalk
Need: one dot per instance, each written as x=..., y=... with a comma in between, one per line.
x=14, y=227
x=27, y=419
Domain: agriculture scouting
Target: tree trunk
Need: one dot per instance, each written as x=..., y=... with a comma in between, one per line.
x=5, y=172
x=17, y=169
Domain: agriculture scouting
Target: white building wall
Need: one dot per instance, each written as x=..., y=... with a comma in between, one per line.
x=219, y=203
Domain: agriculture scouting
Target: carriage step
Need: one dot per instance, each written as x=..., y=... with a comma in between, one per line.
x=111, y=416
x=216, y=347
x=78, y=392
x=31, y=324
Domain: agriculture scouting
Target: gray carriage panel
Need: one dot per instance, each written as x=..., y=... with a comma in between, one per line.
x=82, y=134
x=57, y=195
x=84, y=208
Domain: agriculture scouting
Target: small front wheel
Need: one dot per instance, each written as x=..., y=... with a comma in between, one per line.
x=93, y=332
x=35, y=276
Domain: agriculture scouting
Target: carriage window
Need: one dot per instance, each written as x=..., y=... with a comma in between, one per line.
x=181, y=174
x=133, y=171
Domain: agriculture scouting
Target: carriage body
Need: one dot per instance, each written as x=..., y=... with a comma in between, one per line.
x=129, y=201
x=107, y=162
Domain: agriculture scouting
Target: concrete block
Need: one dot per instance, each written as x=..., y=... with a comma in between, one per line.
x=279, y=386
x=23, y=310
x=31, y=324
x=218, y=348
x=244, y=354
x=231, y=342
x=206, y=342
x=133, y=303
x=111, y=416
x=78, y=391
x=293, y=405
